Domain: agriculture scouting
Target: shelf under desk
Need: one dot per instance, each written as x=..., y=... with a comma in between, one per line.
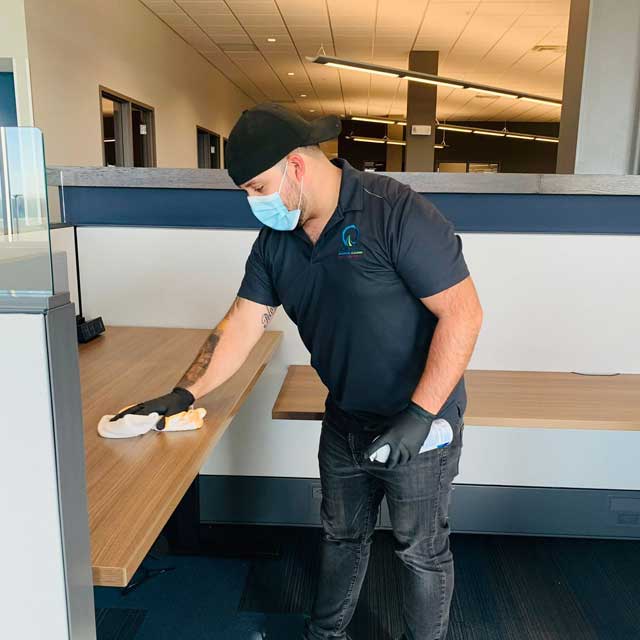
x=504, y=399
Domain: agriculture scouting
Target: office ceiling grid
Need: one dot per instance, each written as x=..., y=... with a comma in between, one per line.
x=484, y=41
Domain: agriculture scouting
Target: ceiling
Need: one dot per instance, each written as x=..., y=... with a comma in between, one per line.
x=490, y=42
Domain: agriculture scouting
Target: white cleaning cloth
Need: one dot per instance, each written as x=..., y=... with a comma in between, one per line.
x=132, y=425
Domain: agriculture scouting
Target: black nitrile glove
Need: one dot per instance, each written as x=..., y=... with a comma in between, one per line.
x=178, y=400
x=405, y=435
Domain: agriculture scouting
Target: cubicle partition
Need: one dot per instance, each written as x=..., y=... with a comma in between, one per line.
x=556, y=260
x=46, y=589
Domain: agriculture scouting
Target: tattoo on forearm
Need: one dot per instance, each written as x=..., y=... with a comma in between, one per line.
x=266, y=318
x=200, y=364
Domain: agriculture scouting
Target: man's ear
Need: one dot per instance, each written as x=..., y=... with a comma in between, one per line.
x=297, y=166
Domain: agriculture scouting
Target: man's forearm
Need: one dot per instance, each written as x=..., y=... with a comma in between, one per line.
x=223, y=352
x=449, y=354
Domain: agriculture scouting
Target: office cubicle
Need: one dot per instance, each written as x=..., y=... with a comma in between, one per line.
x=43, y=494
x=556, y=263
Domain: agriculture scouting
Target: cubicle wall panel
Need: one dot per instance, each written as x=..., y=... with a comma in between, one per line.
x=30, y=536
x=551, y=303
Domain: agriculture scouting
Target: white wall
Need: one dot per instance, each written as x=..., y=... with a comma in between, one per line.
x=555, y=303
x=75, y=46
x=13, y=45
x=32, y=589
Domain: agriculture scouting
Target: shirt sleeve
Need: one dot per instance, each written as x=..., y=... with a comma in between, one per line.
x=425, y=250
x=257, y=284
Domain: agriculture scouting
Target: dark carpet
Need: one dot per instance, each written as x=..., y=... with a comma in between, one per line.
x=507, y=588
x=118, y=624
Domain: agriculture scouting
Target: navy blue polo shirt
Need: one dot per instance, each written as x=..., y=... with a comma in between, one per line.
x=355, y=295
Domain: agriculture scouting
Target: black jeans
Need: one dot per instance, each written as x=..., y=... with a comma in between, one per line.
x=418, y=496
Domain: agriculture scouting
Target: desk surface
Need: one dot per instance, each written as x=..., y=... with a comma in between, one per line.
x=504, y=399
x=135, y=484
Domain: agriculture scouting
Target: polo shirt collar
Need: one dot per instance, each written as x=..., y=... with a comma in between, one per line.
x=350, y=198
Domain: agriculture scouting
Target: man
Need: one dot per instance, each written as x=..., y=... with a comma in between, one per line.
x=375, y=280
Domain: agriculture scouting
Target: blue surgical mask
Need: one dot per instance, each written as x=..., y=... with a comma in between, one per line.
x=272, y=212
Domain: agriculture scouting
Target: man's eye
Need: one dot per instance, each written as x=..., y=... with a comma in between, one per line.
x=259, y=189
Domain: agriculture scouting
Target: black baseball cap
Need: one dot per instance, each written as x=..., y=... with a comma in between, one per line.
x=266, y=133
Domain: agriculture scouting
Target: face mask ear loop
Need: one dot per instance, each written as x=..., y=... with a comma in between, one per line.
x=283, y=176
x=300, y=198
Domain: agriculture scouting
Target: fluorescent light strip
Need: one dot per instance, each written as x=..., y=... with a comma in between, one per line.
x=367, y=119
x=520, y=136
x=438, y=146
x=403, y=74
x=549, y=103
x=401, y=123
x=438, y=82
x=547, y=140
x=484, y=132
x=378, y=140
x=491, y=92
x=338, y=65
x=446, y=127
x=361, y=139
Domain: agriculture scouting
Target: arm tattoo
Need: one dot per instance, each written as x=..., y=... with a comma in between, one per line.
x=200, y=364
x=266, y=317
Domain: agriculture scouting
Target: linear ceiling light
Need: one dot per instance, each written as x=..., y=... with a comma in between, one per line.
x=429, y=78
x=362, y=139
x=550, y=103
x=367, y=119
x=378, y=140
x=520, y=136
x=496, y=132
x=453, y=85
x=451, y=127
x=491, y=92
x=350, y=67
x=486, y=132
x=401, y=123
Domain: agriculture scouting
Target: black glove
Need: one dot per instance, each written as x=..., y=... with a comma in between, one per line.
x=405, y=435
x=178, y=400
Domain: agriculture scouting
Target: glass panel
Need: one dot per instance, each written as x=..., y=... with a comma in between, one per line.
x=452, y=167
x=113, y=132
x=483, y=167
x=25, y=249
x=141, y=130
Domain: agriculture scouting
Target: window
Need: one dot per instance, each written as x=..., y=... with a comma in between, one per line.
x=8, y=113
x=128, y=133
x=208, y=149
x=468, y=167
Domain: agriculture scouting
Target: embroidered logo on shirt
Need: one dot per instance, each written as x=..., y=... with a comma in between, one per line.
x=350, y=239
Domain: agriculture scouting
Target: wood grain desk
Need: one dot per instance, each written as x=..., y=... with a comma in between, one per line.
x=504, y=399
x=135, y=484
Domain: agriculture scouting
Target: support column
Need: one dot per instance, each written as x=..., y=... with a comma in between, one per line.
x=421, y=109
x=600, y=122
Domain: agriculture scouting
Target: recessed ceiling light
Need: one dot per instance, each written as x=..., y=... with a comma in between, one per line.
x=303, y=95
x=291, y=73
x=271, y=39
x=312, y=110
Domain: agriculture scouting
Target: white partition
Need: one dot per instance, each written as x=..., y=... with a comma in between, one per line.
x=552, y=303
